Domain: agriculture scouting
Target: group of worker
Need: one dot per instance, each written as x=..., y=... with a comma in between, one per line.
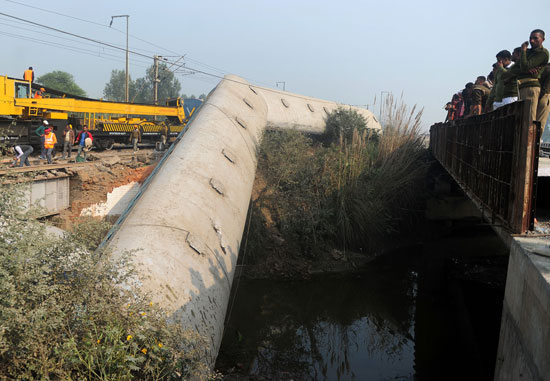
x=83, y=140
x=523, y=74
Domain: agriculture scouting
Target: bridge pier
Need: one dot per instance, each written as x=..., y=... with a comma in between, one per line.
x=524, y=345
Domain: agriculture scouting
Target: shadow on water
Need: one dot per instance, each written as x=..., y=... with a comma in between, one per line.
x=423, y=313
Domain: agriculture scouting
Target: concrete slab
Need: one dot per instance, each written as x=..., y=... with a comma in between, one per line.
x=524, y=345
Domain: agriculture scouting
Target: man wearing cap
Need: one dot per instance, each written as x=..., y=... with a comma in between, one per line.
x=529, y=68
x=68, y=140
x=40, y=132
x=50, y=140
x=39, y=93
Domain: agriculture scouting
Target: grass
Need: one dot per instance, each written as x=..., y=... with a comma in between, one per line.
x=352, y=188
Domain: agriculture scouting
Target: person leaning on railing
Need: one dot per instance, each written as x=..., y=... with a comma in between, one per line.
x=529, y=69
x=543, y=107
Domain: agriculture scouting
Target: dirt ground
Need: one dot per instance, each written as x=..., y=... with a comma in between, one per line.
x=90, y=185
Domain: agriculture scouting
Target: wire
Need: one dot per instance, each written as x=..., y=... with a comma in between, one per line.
x=143, y=55
x=74, y=35
x=90, y=22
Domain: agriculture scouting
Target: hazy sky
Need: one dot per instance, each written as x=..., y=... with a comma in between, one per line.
x=345, y=51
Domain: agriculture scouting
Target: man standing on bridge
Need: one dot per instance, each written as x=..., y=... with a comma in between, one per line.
x=543, y=108
x=528, y=70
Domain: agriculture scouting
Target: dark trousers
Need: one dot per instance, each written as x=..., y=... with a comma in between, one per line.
x=43, y=149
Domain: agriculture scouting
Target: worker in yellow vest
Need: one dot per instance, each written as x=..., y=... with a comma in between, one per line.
x=50, y=140
x=28, y=75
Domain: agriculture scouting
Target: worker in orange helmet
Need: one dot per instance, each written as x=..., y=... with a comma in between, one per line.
x=39, y=93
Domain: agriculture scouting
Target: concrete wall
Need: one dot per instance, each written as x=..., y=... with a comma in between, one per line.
x=524, y=344
x=52, y=195
x=288, y=110
x=186, y=224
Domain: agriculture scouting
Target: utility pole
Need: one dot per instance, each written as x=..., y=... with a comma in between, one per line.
x=127, y=55
x=156, y=80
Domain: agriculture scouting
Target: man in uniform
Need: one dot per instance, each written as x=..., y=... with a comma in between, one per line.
x=135, y=138
x=480, y=93
x=528, y=70
x=543, y=107
x=505, y=91
x=163, y=135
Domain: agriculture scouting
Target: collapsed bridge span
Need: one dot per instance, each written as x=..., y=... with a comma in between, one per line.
x=184, y=228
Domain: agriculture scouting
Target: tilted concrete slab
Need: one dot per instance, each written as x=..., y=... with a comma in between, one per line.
x=187, y=222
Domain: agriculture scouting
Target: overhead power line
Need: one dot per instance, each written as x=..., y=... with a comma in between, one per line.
x=146, y=56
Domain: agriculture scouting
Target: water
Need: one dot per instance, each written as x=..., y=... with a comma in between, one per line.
x=422, y=313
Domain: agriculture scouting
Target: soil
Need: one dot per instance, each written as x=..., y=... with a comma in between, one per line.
x=90, y=185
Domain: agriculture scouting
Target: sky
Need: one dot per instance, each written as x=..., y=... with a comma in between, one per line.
x=352, y=52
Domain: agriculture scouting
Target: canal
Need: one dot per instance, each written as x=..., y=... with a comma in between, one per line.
x=423, y=312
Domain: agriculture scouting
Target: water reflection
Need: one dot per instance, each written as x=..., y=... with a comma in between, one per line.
x=425, y=313
x=358, y=328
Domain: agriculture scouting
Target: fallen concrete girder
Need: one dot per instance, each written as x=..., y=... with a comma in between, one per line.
x=186, y=224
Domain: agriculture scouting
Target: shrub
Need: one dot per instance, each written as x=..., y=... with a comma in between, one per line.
x=342, y=123
x=65, y=315
x=353, y=192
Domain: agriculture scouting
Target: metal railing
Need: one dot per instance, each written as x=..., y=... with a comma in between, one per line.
x=494, y=159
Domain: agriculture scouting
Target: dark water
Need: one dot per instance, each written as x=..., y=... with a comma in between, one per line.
x=427, y=312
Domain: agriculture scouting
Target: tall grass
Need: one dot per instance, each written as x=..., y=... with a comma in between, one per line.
x=352, y=188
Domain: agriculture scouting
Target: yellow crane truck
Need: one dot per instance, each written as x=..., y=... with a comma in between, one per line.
x=21, y=112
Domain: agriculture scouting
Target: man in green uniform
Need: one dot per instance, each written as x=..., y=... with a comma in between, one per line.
x=528, y=70
x=480, y=93
x=543, y=108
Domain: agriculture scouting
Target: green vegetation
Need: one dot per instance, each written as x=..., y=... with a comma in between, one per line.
x=352, y=189
x=141, y=89
x=64, y=314
x=61, y=81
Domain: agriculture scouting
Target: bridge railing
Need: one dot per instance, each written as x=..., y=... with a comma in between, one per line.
x=494, y=159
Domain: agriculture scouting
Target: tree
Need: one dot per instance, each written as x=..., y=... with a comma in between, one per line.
x=115, y=89
x=202, y=96
x=141, y=90
x=168, y=87
x=61, y=81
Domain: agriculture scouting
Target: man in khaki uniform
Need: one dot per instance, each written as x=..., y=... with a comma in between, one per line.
x=543, y=108
x=529, y=68
x=135, y=138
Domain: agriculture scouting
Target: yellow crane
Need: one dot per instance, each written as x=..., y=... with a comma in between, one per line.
x=110, y=122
